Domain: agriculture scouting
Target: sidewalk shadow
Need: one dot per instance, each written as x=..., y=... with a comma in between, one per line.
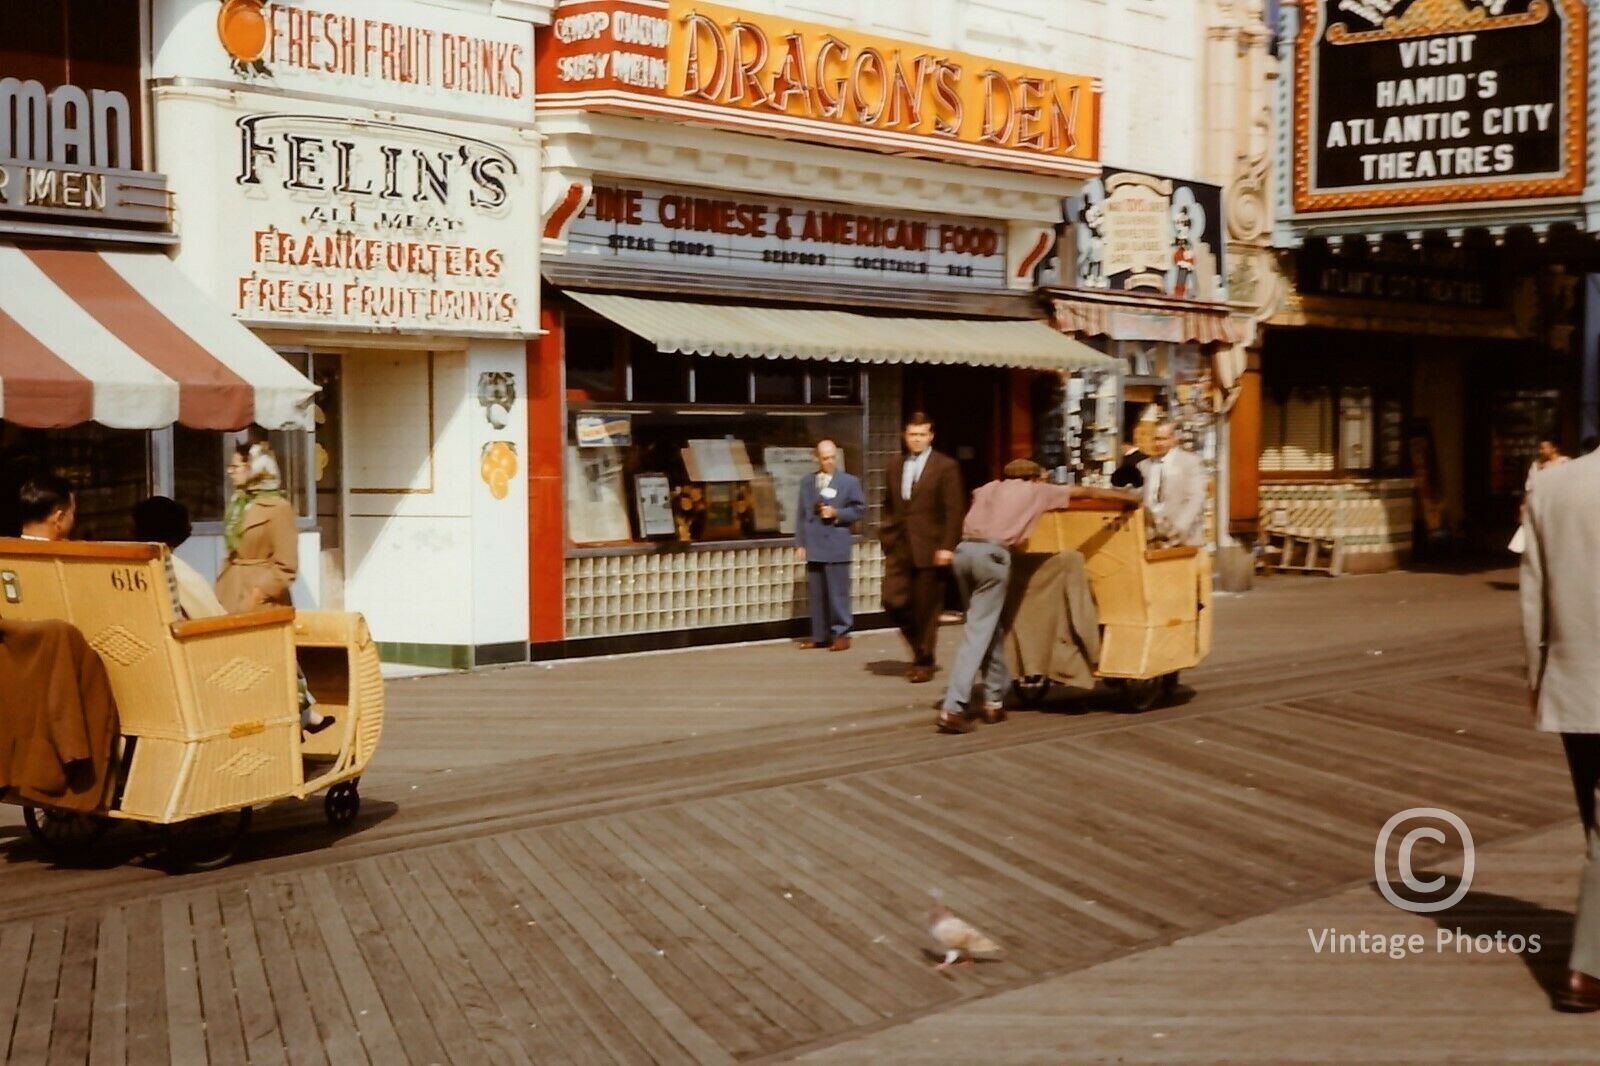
x=1487, y=913
x=887, y=667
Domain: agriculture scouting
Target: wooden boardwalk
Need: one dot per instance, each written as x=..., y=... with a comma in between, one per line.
x=750, y=894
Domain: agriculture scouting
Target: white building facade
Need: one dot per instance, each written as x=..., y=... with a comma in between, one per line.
x=359, y=185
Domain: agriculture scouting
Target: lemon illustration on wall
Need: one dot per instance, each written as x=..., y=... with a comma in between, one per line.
x=242, y=29
x=498, y=467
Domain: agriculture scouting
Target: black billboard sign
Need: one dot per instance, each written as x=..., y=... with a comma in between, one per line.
x=1402, y=103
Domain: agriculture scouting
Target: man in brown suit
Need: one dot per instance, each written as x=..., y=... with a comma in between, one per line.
x=922, y=511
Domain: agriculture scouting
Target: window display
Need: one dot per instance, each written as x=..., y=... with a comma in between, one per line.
x=731, y=473
x=725, y=465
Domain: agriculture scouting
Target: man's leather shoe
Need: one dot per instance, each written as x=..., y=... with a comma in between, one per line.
x=840, y=644
x=994, y=713
x=919, y=675
x=813, y=645
x=1579, y=995
x=954, y=722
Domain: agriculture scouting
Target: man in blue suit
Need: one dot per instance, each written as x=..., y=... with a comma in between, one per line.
x=830, y=502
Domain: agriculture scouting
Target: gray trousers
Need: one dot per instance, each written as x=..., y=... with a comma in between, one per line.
x=1583, y=759
x=828, y=587
x=983, y=571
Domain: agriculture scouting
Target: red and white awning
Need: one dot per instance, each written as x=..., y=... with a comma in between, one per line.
x=124, y=339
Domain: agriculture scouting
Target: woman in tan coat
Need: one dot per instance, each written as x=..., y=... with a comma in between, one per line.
x=263, y=549
x=259, y=530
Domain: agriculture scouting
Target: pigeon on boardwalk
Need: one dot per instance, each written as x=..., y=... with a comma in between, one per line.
x=957, y=938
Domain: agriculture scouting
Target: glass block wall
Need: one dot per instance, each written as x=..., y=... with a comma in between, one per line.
x=614, y=595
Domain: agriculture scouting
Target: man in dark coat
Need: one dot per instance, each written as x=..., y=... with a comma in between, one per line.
x=922, y=511
x=831, y=502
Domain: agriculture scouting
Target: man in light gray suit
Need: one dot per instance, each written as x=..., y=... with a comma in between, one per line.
x=1174, y=492
x=1561, y=627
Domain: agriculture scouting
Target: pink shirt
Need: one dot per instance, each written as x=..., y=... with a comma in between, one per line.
x=1005, y=511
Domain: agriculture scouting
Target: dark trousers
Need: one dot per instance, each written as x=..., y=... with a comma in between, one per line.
x=916, y=613
x=1583, y=759
x=829, y=588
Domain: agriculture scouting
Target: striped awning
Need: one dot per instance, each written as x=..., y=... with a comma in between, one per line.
x=124, y=339
x=842, y=336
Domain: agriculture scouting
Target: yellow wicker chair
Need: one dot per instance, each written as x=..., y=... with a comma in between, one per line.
x=209, y=710
x=1154, y=605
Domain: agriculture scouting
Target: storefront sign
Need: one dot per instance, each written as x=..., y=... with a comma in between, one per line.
x=323, y=217
x=705, y=232
x=1410, y=102
x=766, y=73
x=1140, y=231
x=604, y=431
x=70, y=121
x=404, y=55
x=1394, y=270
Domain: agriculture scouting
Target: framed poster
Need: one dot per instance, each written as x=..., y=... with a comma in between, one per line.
x=653, y=495
x=597, y=512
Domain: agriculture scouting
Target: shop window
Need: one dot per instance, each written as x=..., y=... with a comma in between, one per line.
x=657, y=377
x=109, y=470
x=721, y=380
x=779, y=382
x=841, y=385
x=677, y=474
x=1297, y=432
x=200, y=461
x=1356, y=429
x=593, y=372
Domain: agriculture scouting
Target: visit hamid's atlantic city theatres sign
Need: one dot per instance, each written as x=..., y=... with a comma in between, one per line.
x=1402, y=103
x=690, y=61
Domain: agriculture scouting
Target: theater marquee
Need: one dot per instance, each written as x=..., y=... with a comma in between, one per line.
x=769, y=74
x=1406, y=103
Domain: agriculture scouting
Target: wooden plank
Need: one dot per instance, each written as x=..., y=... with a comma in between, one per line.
x=340, y=1036
x=776, y=929
x=30, y=1040
x=218, y=1002
x=919, y=824
x=884, y=936
x=455, y=1032
x=69, y=1036
x=1501, y=783
x=587, y=979
x=186, y=1036
x=108, y=1032
x=297, y=1026
x=500, y=1027
x=147, y=987
x=372, y=1019
x=695, y=1017
x=405, y=1010
x=1272, y=853
x=257, y=1020
x=908, y=865
x=662, y=1026
x=554, y=1031
x=1042, y=823
x=789, y=1005
x=16, y=941
x=1122, y=824
x=712, y=998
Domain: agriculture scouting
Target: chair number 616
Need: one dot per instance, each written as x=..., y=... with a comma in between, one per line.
x=126, y=579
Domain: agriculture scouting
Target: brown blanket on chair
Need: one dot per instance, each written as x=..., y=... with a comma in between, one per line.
x=58, y=720
x=1055, y=627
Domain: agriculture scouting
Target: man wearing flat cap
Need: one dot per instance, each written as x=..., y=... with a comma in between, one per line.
x=1002, y=515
